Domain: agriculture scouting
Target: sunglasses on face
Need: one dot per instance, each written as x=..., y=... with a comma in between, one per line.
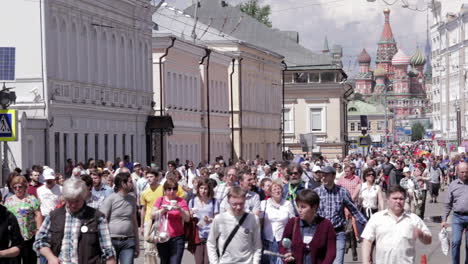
x=171, y=189
x=295, y=173
x=16, y=187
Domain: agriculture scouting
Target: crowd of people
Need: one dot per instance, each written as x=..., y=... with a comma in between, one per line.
x=312, y=210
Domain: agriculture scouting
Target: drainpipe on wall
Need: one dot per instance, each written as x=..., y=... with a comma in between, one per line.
x=207, y=81
x=45, y=93
x=240, y=107
x=161, y=89
x=282, y=110
x=232, y=108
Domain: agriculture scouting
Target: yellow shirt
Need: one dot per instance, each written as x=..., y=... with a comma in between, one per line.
x=149, y=197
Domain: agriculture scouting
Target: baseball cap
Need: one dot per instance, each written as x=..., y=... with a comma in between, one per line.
x=406, y=169
x=48, y=174
x=328, y=170
x=316, y=168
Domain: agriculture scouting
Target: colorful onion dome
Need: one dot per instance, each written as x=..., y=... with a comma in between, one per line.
x=401, y=58
x=364, y=57
x=418, y=58
x=379, y=72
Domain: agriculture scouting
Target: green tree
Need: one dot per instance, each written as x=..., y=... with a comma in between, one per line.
x=417, y=132
x=253, y=9
x=358, y=97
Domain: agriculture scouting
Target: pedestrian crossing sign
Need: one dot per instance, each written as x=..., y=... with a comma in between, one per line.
x=8, y=125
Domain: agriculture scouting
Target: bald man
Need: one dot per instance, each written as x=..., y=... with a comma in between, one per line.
x=458, y=202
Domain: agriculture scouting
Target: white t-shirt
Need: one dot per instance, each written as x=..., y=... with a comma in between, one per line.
x=191, y=174
x=369, y=196
x=49, y=198
x=395, y=240
x=275, y=218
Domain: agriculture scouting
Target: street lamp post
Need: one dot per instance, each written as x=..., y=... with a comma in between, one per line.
x=7, y=97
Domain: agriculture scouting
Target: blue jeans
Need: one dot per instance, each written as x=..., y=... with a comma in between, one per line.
x=340, y=247
x=42, y=260
x=172, y=251
x=459, y=222
x=124, y=250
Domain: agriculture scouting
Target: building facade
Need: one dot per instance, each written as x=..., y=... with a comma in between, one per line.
x=189, y=71
x=376, y=123
x=449, y=39
x=83, y=79
x=239, y=91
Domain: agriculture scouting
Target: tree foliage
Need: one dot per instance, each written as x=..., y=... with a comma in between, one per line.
x=358, y=97
x=253, y=9
x=417, y=132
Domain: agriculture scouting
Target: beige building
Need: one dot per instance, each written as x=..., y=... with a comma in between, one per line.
x=315, y=102
x=256, y=100
x=188, y=71
x=223, y=96
x=376, y=123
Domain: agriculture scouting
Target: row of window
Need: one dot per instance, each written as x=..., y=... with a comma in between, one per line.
x=86, y=53
x=356, y=126
x=193, y=151
x=316, y=120
x=258, y=91
x=310, y=77
x=67, y=146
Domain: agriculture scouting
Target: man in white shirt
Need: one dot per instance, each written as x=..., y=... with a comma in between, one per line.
x=252, y=199
x=49, y=194
x=221, y=190
x=394, y=232
x=246, y=244
x=215, y=174
x=192, y=172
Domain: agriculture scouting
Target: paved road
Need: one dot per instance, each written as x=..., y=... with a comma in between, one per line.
x=433, y=252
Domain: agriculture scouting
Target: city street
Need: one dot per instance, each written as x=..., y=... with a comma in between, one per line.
x=433, y=251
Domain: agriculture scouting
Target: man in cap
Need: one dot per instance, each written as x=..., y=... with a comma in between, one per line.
x=317, y=175
x=49, y=194
x=333, y=200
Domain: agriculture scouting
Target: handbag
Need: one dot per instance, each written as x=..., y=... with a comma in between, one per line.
x=191, y=229
x=158, y=232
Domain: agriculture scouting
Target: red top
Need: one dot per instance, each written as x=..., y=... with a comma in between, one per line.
x=175, y=225
x=32, y=190
x=323, y=244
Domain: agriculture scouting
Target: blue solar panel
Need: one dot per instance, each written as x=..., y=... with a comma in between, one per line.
x=7, y=64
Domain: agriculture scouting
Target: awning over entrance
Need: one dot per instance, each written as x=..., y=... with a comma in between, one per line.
x=163, y=123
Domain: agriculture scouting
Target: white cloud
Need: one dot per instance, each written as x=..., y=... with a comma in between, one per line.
x=354, y=24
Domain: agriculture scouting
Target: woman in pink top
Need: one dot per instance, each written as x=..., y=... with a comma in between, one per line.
x=176, y=210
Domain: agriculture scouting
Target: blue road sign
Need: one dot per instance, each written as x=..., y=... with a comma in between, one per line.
x=7, y=64
x=8, y=125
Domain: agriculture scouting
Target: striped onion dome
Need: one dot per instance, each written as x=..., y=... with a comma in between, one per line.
x=418, y=58
x=401, y=58
x=364, y=57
